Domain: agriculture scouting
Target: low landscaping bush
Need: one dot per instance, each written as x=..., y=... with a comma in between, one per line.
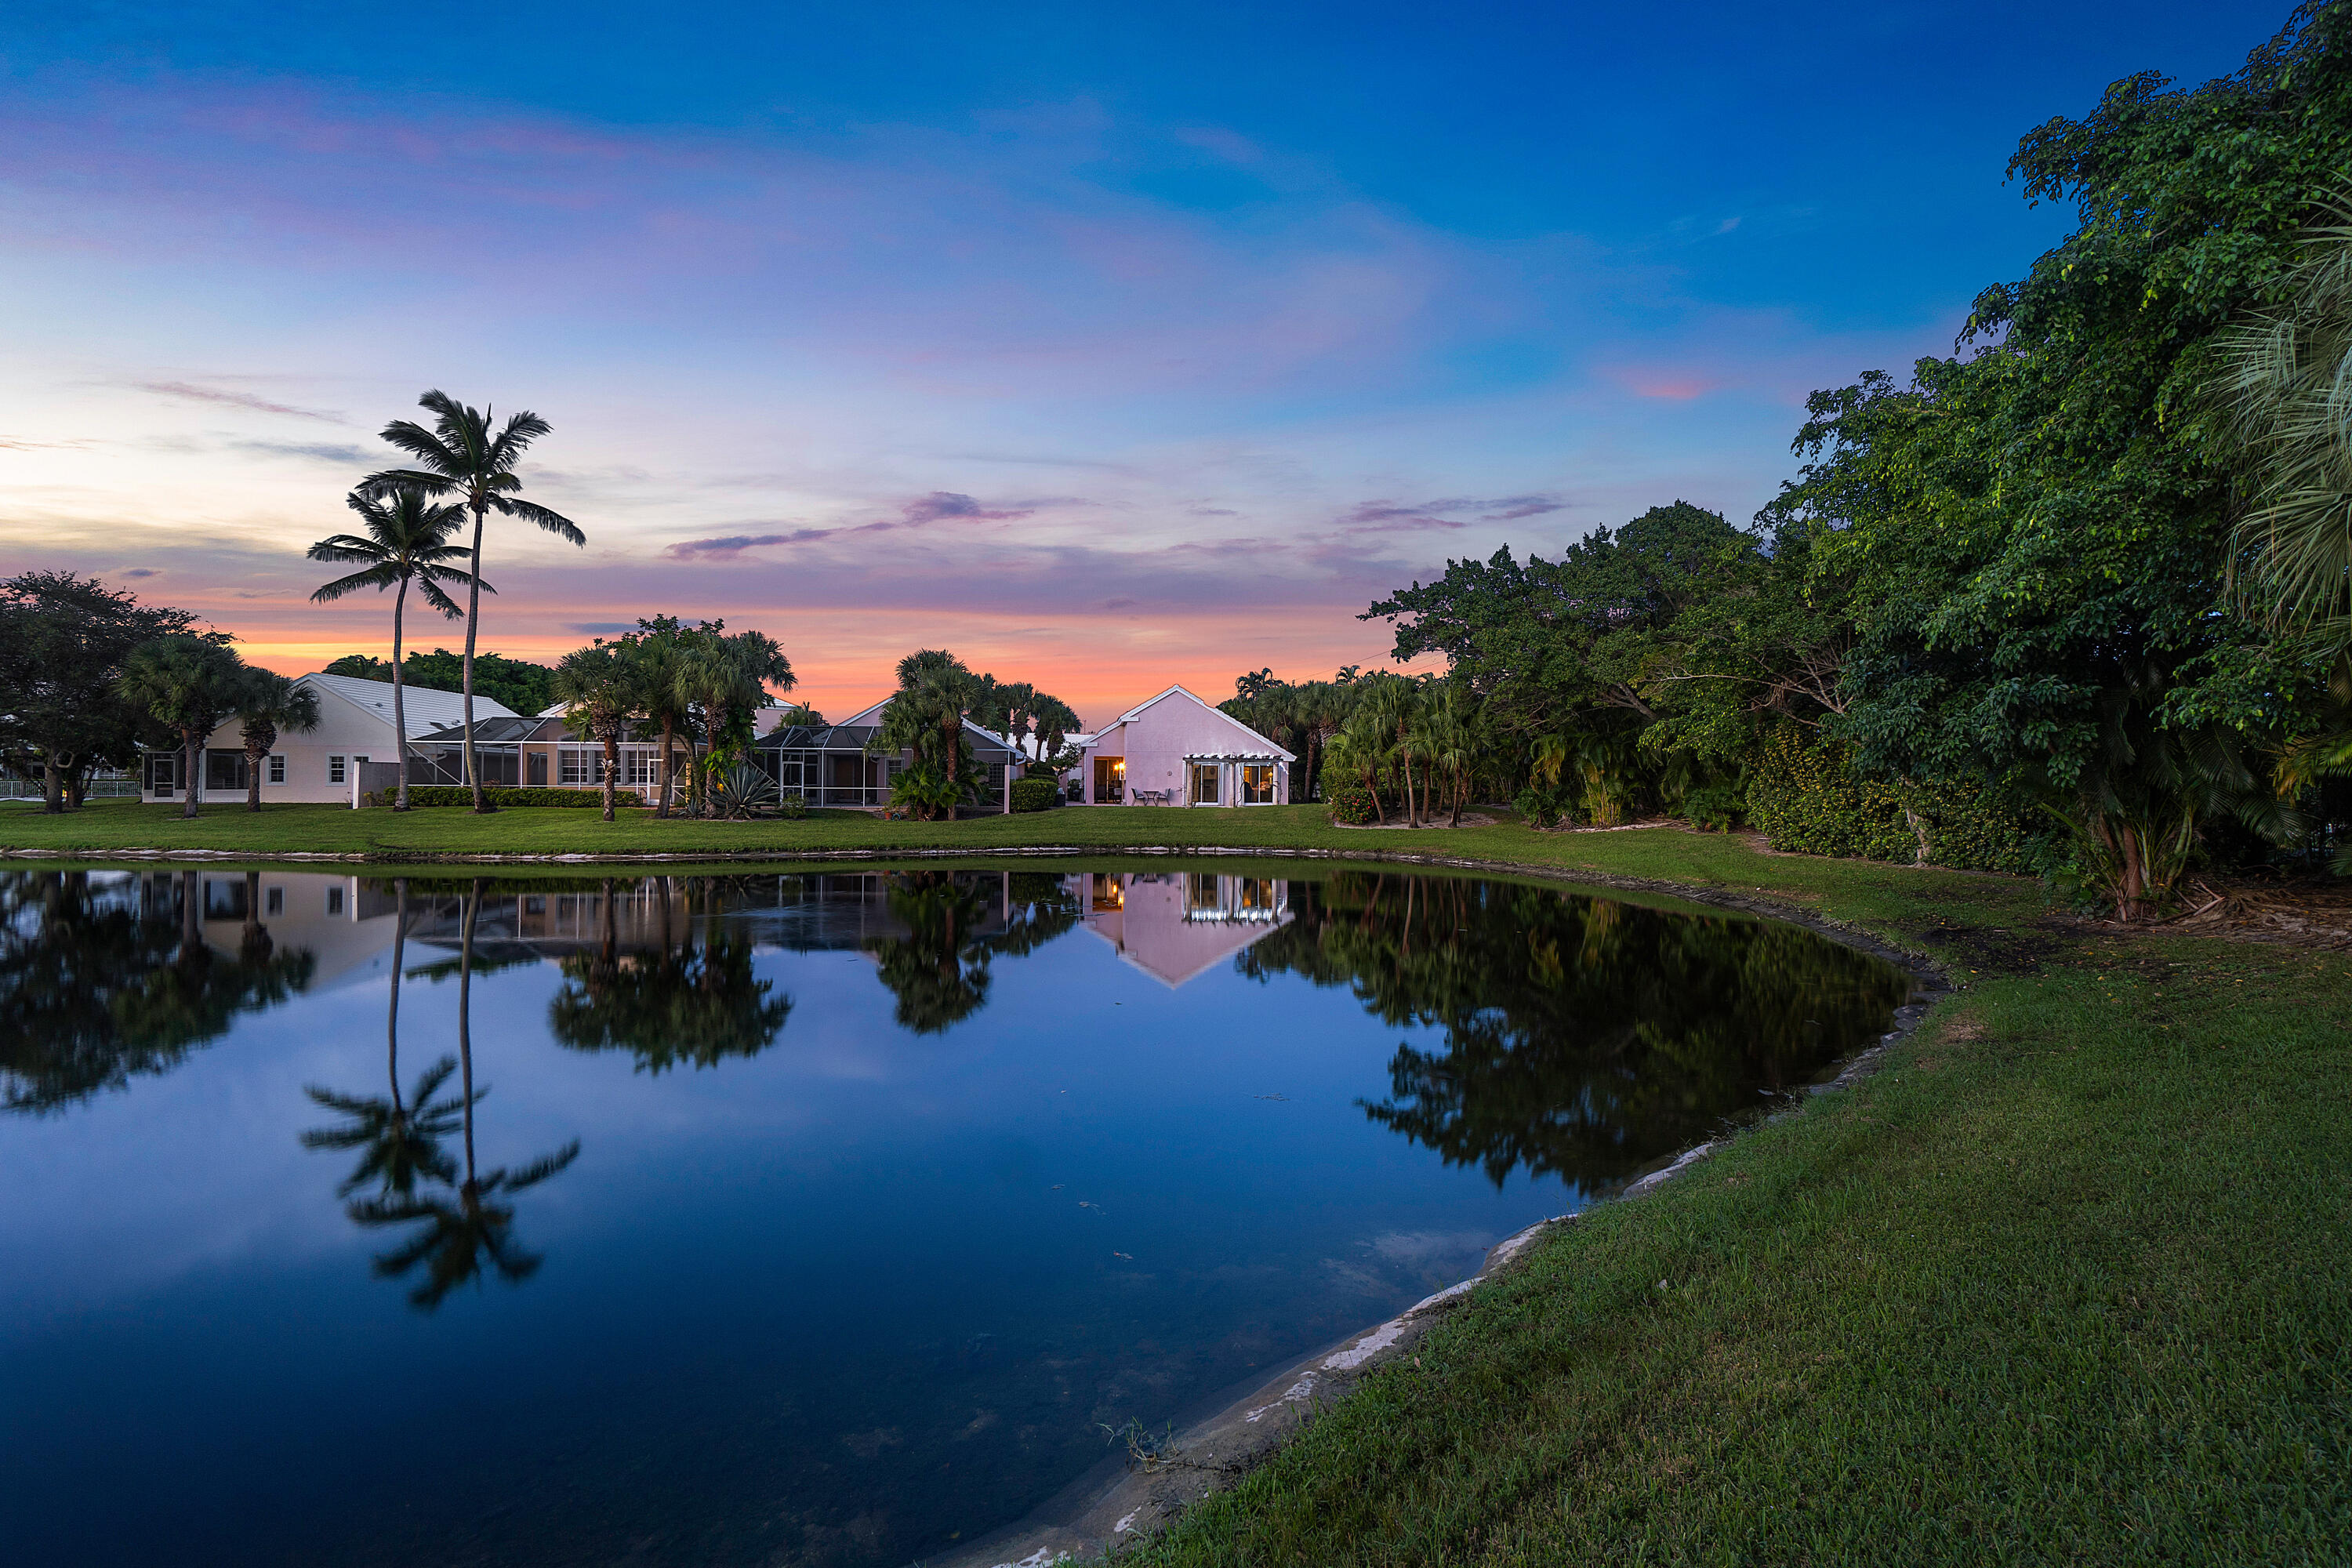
x=1352, y=805
x=1033, y=794
x=458, y=795
x=1809, y=799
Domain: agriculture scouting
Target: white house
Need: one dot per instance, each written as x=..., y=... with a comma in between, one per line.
x=1176, y=750
x=354, y=727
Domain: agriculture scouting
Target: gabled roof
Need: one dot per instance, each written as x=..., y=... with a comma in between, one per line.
x=868, y=720
x=426, y=708
x=1266, y=747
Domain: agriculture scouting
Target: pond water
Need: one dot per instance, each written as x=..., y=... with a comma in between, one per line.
x=795, y=1219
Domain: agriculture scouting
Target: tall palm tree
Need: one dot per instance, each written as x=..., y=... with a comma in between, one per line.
x=271, y=702
x=407, y=539
x=188, y=684
x=462, y=457
x=938, y=687
x=599, y=691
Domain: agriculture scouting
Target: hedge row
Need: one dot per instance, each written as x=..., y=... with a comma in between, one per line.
x=1035, y=794
x=1807, y=798
x=458, y=795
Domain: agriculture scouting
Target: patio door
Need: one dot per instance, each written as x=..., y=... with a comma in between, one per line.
x=1110, y=779
x=163, y=775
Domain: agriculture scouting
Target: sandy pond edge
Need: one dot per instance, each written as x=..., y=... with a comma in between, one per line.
x=1094, y=1518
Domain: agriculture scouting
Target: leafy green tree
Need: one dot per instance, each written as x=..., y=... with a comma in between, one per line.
x=267, y=703
x=726, y=677
x=462, y=457
x=656, y=653
x=187, y=684
x=406, y=541
x=64, y=641
x=516, y=684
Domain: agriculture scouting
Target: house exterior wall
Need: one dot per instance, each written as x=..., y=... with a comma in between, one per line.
x=343, y=731
x=1156, y=742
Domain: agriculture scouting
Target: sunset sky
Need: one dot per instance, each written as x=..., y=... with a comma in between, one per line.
x=1106, y=346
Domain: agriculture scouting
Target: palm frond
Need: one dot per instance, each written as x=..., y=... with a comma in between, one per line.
x=390, y=479
x=553, y=521
x=376, y=577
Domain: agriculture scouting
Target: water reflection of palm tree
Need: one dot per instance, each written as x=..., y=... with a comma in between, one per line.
x=692, y=1004
x=938, y=971
x=465, y=1226
x=399, y=1138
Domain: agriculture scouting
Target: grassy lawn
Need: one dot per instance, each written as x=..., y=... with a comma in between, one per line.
x=2070, y=1281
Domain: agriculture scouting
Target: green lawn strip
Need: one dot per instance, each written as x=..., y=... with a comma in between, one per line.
x=2074, y=1289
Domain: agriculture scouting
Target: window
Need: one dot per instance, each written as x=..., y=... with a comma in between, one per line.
x=335, y=770
x=1204, y=784
x=224, y=769
x=273, y=899
x=1201, y=891
x=335, y=895
x=1257, y=784
x=276, y=770
x=639, y=767
x=578, y=765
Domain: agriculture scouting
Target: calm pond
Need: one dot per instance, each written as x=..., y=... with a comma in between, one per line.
x=795, y=1218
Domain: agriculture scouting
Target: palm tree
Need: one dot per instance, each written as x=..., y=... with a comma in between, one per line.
x=1055, y=719
x=728, y=679
x=599, y=691
x=2284, y=389
x=188, y=684
x=656, y=652
x=407, y=539
x=461, y=457
x=935, y=688
x=271, y=702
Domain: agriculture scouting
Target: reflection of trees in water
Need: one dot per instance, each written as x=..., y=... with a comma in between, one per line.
x=697, y=1002
x=939, y=970
x=1584, y=1038
x=464, y=1215
x=100, y=982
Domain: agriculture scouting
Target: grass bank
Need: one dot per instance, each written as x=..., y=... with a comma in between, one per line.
x=2069, y=1280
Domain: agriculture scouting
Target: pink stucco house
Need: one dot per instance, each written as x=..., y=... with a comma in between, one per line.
x=1176, y=750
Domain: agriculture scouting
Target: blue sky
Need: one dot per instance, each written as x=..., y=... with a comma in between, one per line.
x=1107, y=345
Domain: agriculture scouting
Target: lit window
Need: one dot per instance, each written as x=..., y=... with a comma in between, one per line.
x=1257, y=784
x=1204, y=784
x=277, y=770
x=335, y=770
x=1201, y=890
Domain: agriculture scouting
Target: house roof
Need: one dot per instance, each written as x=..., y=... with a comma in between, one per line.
x=426, y=708
x=862, y=725
x=1263, y=747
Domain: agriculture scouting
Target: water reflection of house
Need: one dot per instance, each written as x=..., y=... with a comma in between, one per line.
x=344, y=922
x=1172, y=925
x=800, y=913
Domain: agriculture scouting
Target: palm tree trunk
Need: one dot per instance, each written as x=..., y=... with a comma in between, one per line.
x=399, y=709
x=191, y=787
x=466, y=1023
x=473, y=623
x=666, y=768
x=612, y=766
x=392, y=1017
x=253, y=759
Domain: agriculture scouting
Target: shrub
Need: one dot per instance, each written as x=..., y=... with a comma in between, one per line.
x=1038, y=771
x=1352, y=805
x=458, y=795
x=1808, y=798
x=1033, y=794
x=1718, y=807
